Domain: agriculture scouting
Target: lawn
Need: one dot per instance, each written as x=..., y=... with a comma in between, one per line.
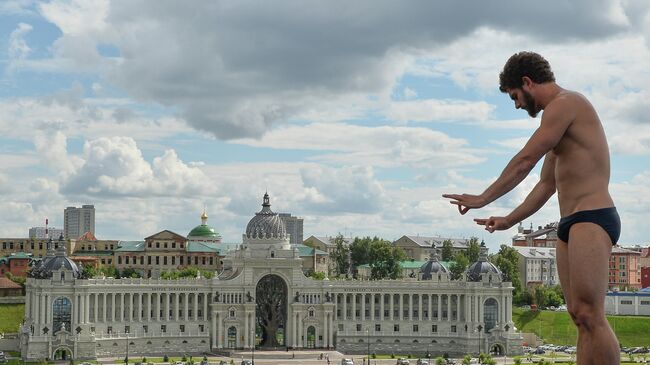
x=557, y=327
x=11, y=316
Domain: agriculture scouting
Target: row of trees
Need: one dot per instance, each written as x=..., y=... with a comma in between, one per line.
x=382, y=257
x=90, y=271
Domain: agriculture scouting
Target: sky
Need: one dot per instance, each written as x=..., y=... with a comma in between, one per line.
x=356, y=116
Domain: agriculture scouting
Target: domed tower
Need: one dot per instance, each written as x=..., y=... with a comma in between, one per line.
x=204, y=232
x=55, y=260
x=483, y=270
x=266, y=230
x=433, y=269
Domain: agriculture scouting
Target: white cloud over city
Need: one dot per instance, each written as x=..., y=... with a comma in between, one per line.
x=356, y=116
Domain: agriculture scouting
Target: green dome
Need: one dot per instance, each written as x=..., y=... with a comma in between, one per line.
x=203, y=231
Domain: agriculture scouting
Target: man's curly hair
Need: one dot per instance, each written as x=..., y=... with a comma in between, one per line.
x=523, y=64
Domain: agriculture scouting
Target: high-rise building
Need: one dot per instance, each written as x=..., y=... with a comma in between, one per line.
x=45, y=232
x=77, y=221
x=294, y=227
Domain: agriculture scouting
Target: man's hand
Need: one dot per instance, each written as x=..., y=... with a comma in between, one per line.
x=465, y=202
x=494, y=223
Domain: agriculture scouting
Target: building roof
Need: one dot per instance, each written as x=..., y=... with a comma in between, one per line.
x=5, y=283
x=536, y=252
x=130, y=246
x=203, y=247
x=410, y=264
x=309, y=251
x=266, y=223
x=329, y=240
x=616, y=249
x=88, y=236
x=203, y=230
x=428, y=241
x=92, y=253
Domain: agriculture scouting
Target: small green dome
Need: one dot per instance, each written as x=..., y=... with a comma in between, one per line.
x=203, y=230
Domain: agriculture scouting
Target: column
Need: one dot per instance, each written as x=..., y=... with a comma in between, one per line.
x=176, y=306
x=330, y=324
x=113, y=307
x=391, y=305
x=246, y=330
x=300, y=334
x=410, y=307
x=186, y=306
x=509, y=312
x=363, y=307
x=336, y=297
x=448, y=307
x=75, y=309
x=439, y=297
x=104, y=308
x=220, y=332
x=325, y=329
x=140, y=306
x=121, y=307
x=96, y=312
x=429, y=306
x=195, y=310
x=48, y=309
x=87, y=309
x=381, y=307
x=420, y=307
x=205, y=306
x=37, y=310
x=372, y=306
x=166, y=305
x=354, y=307
x=214, y=331
x=400, y=315
x=28, y=305
x=345, y=307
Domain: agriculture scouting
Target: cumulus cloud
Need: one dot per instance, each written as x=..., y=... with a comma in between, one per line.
x=18, y=48
x=115, y=166
x=240, y=75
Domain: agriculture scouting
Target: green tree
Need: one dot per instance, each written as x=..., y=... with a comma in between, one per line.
x=473, y=249
x=458, y=266
x=440, y=360
x=360, y=250
x=507, y=261
x=467, y=360
x=385, y=260
x=318, y=275
x=130, y=273
x=340, y=255
x=110, y=271
x=447, y=250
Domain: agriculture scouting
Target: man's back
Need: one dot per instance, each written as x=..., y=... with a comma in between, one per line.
x=582, y=165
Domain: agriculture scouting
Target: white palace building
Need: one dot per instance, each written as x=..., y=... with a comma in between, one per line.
x=262, y=297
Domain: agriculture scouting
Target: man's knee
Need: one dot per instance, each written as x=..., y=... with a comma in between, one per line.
x=585, y=315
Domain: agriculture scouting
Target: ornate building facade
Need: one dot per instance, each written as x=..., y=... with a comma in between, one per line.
x=262, y=297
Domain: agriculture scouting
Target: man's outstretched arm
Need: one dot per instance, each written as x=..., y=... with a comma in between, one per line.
x=556, y=119
x=540, y=194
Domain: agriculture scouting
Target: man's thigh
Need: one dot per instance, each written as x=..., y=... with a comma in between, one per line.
x=562, y=260
x=589, y=251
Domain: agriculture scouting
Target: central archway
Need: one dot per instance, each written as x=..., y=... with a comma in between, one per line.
x=62, y=353
x=271, y=311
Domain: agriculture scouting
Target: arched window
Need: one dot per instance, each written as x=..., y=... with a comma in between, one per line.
x=491, y=313
x=311, y=337
x=232, y=337
x=61, y=313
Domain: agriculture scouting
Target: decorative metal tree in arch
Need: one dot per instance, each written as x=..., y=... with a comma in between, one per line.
x=271, y=310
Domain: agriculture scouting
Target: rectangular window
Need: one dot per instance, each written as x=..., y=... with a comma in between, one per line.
x=358, y=327
x=119, y=260
x=181, y=258
x=182, y=327
x=141, y=260
x=157, y=244
x=626, y=302
x=109, y=329
x=396, y=328
x=203, y=260
x=145, y=328
x=126, y=260
x=434, y=328
x=453, y=328
x=645, y=302
x=173, y=244
x=157, y=260
x=196, y=260
x=165, y=244
x=164, y=260
x=211, y=260
x=127, y=329
x=148, y=260
x=415, y=328
x=377, y=328
x=163, y=328
x=173, y=260
x=341, y=327
x=201, y=327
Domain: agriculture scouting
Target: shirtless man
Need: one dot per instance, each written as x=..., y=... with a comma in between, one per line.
x=576, y=164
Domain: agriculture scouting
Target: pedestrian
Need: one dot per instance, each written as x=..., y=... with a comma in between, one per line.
x=576, y=165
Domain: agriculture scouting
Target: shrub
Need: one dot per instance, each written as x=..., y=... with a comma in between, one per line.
x=165, y=358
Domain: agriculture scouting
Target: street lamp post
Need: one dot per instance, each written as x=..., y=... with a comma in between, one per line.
x=479, y=328
x=253, y=347
x=126, y=359
x=368, y=344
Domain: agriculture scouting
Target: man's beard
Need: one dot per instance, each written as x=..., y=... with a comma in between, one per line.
x=531, y=108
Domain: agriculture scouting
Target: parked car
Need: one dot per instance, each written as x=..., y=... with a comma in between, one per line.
x=246, y=362
x=402, y=361
x=347, y=362
x=422, y=362
x=539, y=351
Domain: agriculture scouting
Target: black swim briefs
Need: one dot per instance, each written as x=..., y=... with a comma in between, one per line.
x=607, y=218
